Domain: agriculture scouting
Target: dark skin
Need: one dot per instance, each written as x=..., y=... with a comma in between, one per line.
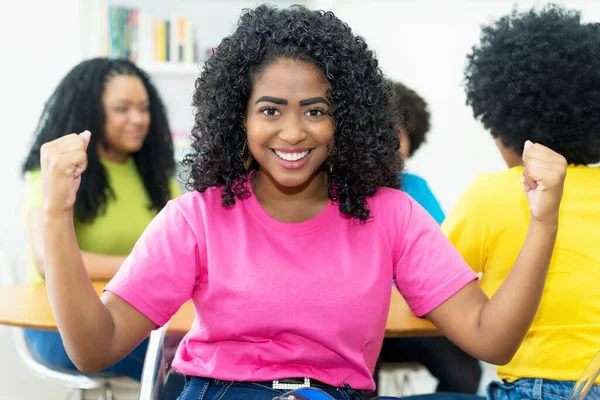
x=293, y=118
x=289, y=139
x=511, y=157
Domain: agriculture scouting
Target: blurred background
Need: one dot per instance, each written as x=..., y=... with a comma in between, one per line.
x=420, y=43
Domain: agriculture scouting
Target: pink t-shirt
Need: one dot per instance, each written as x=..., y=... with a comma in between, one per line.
x=278, y=300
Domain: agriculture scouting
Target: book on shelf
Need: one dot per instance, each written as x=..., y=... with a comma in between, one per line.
x=141, y=37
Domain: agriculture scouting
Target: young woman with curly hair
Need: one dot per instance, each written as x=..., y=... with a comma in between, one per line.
x=129, y=178
x=295, y=229
x=536, y=75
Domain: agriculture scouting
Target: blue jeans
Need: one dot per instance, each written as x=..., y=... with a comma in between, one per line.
x=213, y=389
x=536, y=389
x=48, y=348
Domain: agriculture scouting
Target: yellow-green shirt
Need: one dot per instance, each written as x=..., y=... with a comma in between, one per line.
x=127, y=214
x=488, y=227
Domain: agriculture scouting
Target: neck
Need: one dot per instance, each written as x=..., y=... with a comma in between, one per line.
x=511, y=157
x=291, y=204
x=111, y=155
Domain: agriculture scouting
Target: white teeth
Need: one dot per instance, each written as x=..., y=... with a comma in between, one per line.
x=291, y=156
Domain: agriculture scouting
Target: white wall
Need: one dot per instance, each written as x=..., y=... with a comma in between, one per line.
x=423, y=44
x=37, y=50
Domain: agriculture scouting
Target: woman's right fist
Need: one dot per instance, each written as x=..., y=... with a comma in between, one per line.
x=63, y=161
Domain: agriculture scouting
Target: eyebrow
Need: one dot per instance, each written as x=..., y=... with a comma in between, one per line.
x=277, y=100
x=312, y=100
x=271, y=99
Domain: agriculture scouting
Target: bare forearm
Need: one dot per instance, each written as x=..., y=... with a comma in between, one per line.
x=507, y=316
x=84, y=322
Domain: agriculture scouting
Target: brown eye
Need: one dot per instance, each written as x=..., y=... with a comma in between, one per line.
x=315, y=112
x=270, y=111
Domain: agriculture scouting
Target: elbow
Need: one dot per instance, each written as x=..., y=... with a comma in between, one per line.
x=501, y=357
x=86, y=368
x=88, y=365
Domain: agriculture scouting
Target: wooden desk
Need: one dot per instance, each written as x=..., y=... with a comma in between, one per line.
x=27, y=306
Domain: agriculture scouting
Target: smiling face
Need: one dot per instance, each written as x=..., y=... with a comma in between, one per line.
x=287, y=123
x=126, y=107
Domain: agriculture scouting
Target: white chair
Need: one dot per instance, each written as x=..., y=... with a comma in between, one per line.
x=158, y=374
x=586, y=380
x=106, y=384
x=394, y=378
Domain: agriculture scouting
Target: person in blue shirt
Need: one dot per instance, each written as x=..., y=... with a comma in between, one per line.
x=455, y=370
x=412, y=130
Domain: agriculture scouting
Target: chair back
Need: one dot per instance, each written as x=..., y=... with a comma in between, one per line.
x=586, y=380
x=159, y=379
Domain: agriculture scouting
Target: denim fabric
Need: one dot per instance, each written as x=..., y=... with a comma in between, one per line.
x=48, y=348
x=536, y=389
x=213, y=389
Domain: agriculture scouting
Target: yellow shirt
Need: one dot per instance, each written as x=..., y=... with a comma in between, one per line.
x=127, y=214
x=488, y=227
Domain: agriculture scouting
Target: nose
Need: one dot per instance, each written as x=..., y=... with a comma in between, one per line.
x=292, y=131
x=136, y=116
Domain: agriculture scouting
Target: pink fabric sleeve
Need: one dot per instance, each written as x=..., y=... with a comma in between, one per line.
x=161, y=272
x=429, y=269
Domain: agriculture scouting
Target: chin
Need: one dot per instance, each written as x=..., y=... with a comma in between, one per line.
x=294, y=179
x=133, y=148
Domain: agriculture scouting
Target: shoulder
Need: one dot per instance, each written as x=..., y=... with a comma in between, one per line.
x=198, y=203
x=386, y=197
x=496, y=186
x=412, y=179
x=415, y=186
x=392, y=207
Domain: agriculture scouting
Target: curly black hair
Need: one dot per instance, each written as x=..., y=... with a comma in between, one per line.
x=414, y=115
x=364, y=153
x=536, y=75
x=76, y=105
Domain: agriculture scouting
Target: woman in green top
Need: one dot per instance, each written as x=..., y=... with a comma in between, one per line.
x=128, y=180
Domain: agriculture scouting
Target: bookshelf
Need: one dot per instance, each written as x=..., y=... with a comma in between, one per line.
x=157, y=68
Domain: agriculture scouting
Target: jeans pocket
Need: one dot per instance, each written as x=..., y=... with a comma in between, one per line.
x=195, y=389
x=502, y=391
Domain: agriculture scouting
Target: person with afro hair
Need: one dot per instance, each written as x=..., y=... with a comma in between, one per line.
x=535, y=75
x=455, y=370
x=293, y=230
x=413, y=126
x=128, y=179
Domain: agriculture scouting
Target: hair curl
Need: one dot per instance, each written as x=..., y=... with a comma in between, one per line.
x=76, y=105
x=414, y=115
x=364, y=152
x=536, y=75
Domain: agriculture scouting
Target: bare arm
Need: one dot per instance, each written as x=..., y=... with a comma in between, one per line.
x=96, y=332
x=100, y=267
x=492, y=329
